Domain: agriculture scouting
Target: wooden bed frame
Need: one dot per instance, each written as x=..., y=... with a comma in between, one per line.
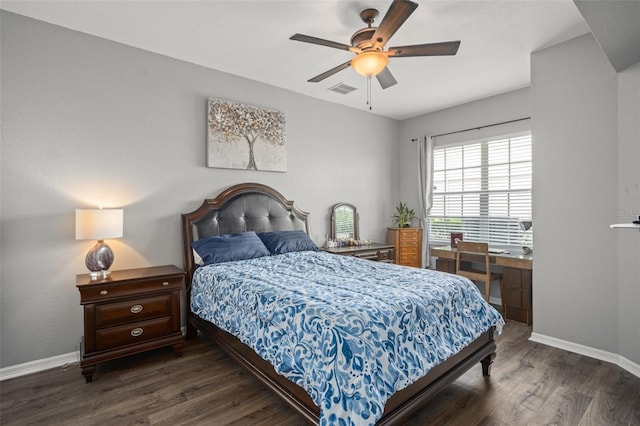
x=253, y=206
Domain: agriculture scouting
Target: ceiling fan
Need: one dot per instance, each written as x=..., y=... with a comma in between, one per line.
x=368, y=44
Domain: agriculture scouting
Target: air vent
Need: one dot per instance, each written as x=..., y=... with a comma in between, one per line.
x=341, y=88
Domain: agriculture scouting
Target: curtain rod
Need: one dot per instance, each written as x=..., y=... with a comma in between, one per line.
x=477, y=128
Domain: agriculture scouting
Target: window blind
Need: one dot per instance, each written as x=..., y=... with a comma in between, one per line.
x=482, y=189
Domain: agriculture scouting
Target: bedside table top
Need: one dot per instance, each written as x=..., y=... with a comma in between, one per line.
x=130, y=274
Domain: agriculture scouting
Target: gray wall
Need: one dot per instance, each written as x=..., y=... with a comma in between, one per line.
x=86, y=121
x=585, y=146
x=628, y=209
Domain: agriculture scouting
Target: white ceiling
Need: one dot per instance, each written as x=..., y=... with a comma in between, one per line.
x=251, y=39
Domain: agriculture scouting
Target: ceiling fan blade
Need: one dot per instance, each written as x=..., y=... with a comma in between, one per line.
x=329, y=73
x=430, y=49
x=398, y=12
x=320, y=41
x=385, y=78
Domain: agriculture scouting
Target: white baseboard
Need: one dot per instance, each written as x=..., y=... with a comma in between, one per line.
x=619, y=360
x=72, y=357
x=45, y=364
x=631, y=367
x=37, y=365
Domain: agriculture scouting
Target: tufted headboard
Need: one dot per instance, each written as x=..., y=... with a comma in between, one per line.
x=243, y=207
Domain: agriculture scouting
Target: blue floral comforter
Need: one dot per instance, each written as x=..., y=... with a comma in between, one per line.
x=351, y=332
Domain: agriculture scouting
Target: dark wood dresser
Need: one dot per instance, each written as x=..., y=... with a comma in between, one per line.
x=408, y=244
x=374, y=251
x=130, y=311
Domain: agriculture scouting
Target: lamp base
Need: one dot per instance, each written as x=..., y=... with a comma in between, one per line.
x=94, y=275
x=99, y=259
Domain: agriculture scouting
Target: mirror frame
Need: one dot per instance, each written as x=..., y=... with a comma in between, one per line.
x=356, y=220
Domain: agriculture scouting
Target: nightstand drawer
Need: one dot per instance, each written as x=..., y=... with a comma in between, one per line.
x=132, y=310
x=106, y=291
x=132, y=333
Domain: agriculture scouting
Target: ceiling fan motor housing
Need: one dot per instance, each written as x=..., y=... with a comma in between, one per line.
x=362, y=38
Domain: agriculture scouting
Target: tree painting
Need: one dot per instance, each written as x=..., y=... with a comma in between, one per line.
x=231, y=124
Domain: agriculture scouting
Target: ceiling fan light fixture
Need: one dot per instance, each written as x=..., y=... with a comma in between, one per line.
x=369, y=64
x=369, y=45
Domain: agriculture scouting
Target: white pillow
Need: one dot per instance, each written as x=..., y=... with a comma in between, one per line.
x=196, y=258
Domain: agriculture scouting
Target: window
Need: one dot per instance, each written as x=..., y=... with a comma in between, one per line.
x=482, y=189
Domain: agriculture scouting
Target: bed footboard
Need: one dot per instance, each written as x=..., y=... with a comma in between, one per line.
x=398, y=408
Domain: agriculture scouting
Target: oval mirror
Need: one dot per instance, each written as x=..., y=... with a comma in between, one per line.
x=344, y=221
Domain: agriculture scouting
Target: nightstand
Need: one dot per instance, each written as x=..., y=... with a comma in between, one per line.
x=374, y=251
x=128, y=312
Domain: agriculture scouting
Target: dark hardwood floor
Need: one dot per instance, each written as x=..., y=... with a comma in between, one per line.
x=531, y=384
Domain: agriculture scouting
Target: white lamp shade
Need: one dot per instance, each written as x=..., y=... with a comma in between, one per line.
x=99, y=224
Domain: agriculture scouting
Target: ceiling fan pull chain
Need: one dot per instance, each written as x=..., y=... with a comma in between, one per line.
x=369, y=92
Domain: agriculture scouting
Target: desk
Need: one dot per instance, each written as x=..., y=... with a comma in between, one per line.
x=511, y=260
x=516, y=278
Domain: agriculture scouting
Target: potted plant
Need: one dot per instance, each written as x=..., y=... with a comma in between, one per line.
x=403, y=216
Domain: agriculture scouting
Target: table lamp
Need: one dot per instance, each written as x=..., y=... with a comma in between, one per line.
x=526, y=225
x=99, y=224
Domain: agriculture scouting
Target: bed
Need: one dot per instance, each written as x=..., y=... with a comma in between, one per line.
x=256, y=207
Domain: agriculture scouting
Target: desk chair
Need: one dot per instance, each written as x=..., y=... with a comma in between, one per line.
x=477, y=252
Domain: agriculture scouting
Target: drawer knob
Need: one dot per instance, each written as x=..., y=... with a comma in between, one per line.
x=137, y=332
x=103, y=292
x=165, y=283
x=136, y=309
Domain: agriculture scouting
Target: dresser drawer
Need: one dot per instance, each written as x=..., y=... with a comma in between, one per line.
x=411, y=258
x=106, y=291
x=132, y=310
x=408, y=250
x=415, y=263
x=408, y=237
x=367, y=254
x=386, y=256
x=373, y=251
x=132, y=333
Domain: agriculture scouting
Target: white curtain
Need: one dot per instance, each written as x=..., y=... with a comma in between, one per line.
x=425, y=186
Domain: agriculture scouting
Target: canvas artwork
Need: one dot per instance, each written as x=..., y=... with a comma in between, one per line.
x=246, y=137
